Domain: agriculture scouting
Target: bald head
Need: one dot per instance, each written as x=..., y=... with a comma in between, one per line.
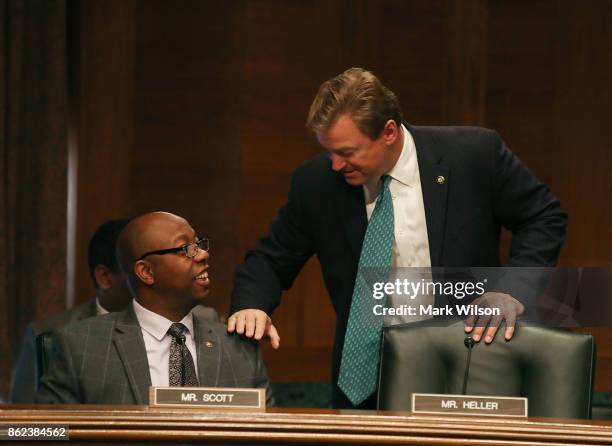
x=152, y=251
x=146, y=233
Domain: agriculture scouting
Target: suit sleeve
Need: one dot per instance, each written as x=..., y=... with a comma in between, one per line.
x=24, y=380
x=277, y=258
x=60, y=383
x=527, y=208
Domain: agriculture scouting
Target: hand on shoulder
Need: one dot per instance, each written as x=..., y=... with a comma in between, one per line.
x=255, y=324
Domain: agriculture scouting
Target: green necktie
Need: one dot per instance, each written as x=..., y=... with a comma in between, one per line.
x=360, y=355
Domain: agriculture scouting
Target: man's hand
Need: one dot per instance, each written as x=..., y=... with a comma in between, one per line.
x=253, y=324
x=509, y=309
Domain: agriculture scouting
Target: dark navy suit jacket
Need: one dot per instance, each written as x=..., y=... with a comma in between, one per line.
x=486, y=187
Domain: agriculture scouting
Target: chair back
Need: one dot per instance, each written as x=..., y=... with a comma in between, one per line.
x=44, y=353
x=553, y=368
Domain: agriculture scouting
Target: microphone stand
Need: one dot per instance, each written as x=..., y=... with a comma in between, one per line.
x=469, y=344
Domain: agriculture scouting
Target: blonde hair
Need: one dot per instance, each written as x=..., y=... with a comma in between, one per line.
x=361, y=95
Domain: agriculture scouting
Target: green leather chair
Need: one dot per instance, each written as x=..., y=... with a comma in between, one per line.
x=553, y=368
x=44, y=354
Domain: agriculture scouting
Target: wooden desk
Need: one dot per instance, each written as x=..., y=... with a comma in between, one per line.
x=136, y=425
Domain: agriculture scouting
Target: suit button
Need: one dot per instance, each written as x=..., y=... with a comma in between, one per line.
x=440, y=180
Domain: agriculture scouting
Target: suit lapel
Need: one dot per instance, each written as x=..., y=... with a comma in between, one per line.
x=352, y=207
x=435, y=190
x=130, y=345
x=208, y=347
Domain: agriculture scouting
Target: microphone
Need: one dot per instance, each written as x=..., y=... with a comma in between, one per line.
x=469, y=344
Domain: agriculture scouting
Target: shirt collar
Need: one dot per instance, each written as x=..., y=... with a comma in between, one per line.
x=404, y=170
x=157, y=325
x=100, y=310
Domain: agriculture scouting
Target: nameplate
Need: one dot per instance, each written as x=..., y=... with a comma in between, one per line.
x=217, y=398
x=492, y=406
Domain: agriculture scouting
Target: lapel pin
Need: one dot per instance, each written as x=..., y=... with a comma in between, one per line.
x=209, y=344
x=440, y=180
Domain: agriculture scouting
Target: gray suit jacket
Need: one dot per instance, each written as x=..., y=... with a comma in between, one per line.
x=24, y=382
x=102, y=360
x=25, y=373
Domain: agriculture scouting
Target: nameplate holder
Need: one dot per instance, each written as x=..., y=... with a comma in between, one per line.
x=214, y=398
x=488, y=406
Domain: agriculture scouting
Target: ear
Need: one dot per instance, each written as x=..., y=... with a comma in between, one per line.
x=144, y=271
x=102, y=273
x=390, y=132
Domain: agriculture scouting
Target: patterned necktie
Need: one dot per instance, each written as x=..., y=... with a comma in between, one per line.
x=360, y=355
x=181, y=369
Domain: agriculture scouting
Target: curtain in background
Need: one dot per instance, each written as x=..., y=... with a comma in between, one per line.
x=33, y=168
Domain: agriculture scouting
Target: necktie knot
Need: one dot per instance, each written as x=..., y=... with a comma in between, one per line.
x=385, y=179
x=177, y=331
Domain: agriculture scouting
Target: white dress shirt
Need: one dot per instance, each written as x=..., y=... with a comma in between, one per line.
x=157, y=342
x=100, y=310
x=411, y=243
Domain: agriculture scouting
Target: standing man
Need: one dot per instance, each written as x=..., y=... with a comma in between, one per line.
x=383, y=194
x=157, y=340
x=112, y=294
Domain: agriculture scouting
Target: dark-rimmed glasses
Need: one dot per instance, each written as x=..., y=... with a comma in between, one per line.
x=190, y=250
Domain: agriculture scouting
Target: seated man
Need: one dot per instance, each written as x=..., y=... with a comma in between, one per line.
x=113, y=359
x=112, y=294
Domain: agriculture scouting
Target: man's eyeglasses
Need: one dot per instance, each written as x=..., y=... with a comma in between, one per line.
x=190, y=250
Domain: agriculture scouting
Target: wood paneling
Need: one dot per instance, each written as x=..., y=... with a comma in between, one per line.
x=466, y=81
x=548, y=95
x=187, y=103
x=33, y=169
x=102, y=121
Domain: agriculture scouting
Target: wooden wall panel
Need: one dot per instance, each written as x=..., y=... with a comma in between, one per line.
x=522, y=67
x=102, y=121
x=278, y=87
x=186, y=156
x=466, y=79
x=582, y=151
x=547, y=94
